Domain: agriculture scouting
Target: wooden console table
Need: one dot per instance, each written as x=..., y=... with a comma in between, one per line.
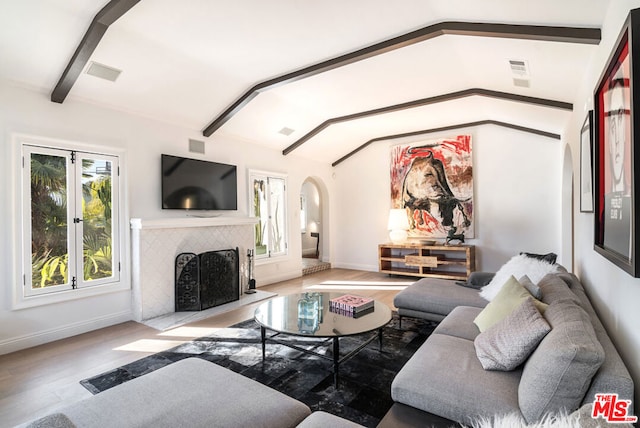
x=435, y=261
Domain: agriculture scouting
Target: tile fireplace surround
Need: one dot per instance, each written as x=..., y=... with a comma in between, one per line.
x=156, y=243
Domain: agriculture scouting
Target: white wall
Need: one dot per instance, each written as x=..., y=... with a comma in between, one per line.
x=516, y=203
x=517, y=199
x=28, y=112
x=614, y=293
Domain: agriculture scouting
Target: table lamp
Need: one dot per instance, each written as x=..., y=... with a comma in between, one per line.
x=398, y=225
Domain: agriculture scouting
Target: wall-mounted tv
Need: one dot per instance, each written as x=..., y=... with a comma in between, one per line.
x=191, y=184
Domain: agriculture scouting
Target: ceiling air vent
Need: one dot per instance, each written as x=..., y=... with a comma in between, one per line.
x=520, y=73
x=196, y=146
x=519, y=67
x=286, y=131
x=103, y=71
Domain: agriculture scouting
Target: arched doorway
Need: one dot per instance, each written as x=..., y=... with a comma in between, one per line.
x=312, y=230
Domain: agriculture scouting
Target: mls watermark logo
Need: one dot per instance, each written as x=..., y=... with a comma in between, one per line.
x=613, y=410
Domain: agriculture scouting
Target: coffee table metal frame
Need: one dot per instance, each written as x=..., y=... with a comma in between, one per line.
x=334, y=336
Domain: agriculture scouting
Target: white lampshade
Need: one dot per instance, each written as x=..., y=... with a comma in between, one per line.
x=398, y=225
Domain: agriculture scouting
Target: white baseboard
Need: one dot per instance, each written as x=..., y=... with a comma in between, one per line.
x=353, y=266
x=280, y=276
x=27, y=341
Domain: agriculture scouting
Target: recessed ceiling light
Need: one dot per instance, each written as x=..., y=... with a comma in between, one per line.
x=523, y=83
x=103, y=71
x=286, y=131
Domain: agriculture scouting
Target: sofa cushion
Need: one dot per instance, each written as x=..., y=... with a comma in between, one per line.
x=193, y=393
x=436, y=296
x=54, y=420
x=612, y=376
x=459, y=323
x=554, y=289
x=517, y=266
x=511, y=295
x=509, y=342
x=444, y=377
x=557, y=375
x=322, y=419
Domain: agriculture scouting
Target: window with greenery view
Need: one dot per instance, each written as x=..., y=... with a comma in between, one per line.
x=70, y=210
x=269, y=205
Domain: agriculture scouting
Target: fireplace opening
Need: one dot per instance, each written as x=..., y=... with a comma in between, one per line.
x=206, y=280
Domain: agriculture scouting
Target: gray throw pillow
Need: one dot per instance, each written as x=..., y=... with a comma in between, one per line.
x=549, y=257
x=531, y=287
x=508, y=343
x=477, y=280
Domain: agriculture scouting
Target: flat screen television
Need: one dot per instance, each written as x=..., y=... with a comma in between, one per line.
x=191, y=184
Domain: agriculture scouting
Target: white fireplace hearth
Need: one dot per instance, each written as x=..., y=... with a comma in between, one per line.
x=156, y=243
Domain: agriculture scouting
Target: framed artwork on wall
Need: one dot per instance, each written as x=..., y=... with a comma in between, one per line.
x=586, y=165
x=433, y=182
x=616, y=123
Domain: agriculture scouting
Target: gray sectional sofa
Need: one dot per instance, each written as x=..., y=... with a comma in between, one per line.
x=444, y=383
x=574, y=361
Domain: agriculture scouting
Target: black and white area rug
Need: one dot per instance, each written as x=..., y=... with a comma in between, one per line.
x=364, y=391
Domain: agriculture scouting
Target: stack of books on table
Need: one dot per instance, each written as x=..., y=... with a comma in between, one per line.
x=351, y=306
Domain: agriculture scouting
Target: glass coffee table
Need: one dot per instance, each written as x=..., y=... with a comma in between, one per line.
x=308, y=315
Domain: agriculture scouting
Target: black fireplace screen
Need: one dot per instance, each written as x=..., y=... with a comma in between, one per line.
x=207, y=280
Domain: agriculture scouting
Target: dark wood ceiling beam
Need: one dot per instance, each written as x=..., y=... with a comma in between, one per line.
x=448, y=128
x=427, y=101
x=101, y=22
x=479, y=29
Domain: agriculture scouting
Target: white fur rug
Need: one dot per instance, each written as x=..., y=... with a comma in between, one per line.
x=581, y=418
x=513, y=421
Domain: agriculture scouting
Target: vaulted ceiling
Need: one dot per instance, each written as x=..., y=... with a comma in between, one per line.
x=336, y=74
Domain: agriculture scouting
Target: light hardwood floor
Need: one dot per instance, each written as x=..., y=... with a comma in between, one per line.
x=36, y=381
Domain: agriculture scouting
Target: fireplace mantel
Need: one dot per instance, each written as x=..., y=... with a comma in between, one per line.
x=176, y=223
x=155, y=243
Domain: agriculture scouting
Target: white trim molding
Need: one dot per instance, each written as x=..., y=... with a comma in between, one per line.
x=27, y=341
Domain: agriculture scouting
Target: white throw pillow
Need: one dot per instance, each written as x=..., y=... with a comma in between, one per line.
x=518, y=266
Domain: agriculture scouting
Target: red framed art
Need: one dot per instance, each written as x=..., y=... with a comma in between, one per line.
x=615, y=157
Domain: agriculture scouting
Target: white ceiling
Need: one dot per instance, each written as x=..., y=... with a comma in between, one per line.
x=186, y=62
